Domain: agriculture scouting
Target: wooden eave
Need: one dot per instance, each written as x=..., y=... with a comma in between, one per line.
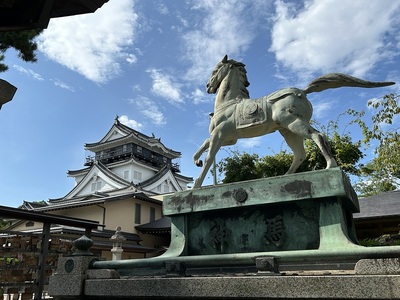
x=110, y=198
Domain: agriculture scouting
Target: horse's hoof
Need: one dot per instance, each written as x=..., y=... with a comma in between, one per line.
x=199, y=163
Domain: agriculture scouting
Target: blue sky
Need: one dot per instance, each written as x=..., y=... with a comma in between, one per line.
x=148, y=62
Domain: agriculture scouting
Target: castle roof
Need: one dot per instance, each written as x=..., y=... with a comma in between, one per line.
x=120, y=134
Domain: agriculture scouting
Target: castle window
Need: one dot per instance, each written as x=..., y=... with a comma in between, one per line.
x=126, y=175
x=137, y=213
x=139, y=149
x=137, y=175
x=124, y=148
x=166, y=188
x=96, y=186
x=29, y=224
x=152, y=214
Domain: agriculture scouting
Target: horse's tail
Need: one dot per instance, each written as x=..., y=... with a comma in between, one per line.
x=336, y=80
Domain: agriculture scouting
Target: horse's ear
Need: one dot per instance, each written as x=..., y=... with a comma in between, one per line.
x=225, y=59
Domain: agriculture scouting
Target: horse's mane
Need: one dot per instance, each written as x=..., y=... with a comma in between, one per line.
x=242, y=75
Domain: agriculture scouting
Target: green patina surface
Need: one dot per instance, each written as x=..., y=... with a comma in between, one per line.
x=275, y=190
x=305, y=217
x=293, y=226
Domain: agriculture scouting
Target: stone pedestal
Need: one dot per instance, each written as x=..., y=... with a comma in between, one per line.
x=252, y=240
x=247, y=287
x=69, y=278
x=295, y=221
x=116, y=253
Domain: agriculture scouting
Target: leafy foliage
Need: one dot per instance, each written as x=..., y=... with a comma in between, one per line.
x=22, y=41
x=4, y=223
x=239, y=166
x=346, y=152
x=382, y=174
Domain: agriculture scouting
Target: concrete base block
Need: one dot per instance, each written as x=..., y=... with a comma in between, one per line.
x=102, y=274
x=69, y=278
x=247, y=287
x=66, y=285
x=381, y=266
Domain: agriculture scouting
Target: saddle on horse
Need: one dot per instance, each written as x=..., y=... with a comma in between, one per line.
x=254, y=112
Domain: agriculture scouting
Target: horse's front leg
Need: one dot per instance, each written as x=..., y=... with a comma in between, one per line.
x=198, y=162
x=214, y=144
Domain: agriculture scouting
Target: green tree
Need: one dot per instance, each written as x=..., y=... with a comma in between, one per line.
x=382, y=173
x=346, y=152
x=239, y=166
x=22, y=41
x=275, y=165
x=4, y=224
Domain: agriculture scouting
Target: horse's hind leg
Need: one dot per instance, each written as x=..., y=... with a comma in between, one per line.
x=323, y=145
x=305, y=130
x=296, y=143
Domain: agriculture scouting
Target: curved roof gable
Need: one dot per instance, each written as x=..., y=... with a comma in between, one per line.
x=165, y=174
x=97, y=170
x=120, y=134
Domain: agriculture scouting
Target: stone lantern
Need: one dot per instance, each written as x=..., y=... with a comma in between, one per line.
x=117, y=240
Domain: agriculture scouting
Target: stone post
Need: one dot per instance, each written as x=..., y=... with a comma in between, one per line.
x=117, y=239
x=68, y=280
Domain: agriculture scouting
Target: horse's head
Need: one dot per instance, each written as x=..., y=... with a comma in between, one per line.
x=220, y=71
x=218, y=74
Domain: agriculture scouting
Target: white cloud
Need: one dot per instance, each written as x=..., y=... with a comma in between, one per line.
x=228, y=27
x=322, y=109
x=124, y=119
x=250, y=143
x=162, y=9
x=323, y=36
x=199, y=96
x=150, y=110
x=165, y=86
x=28, y=72
x=63, y=85
x=131, y=58
x=92, y=44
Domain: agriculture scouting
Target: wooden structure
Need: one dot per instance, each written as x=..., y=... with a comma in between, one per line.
x=37, y=246
x=379, y=215
x=21, y=14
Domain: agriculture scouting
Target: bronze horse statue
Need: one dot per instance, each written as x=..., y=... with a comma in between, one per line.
x=288, y=111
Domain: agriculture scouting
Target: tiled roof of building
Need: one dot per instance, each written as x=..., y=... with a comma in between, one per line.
x=78, y=202
x=382, y=205
x=33, y=204
x=164, y=170
x=163, y=224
